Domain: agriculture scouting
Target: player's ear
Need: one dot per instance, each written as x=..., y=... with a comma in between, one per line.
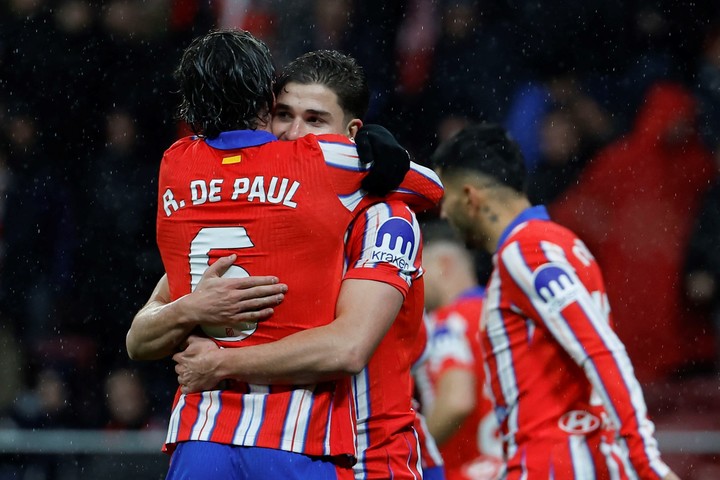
x=352, y=127
x=474, y=197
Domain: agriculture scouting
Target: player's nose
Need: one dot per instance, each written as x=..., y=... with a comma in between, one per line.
x=295, y=130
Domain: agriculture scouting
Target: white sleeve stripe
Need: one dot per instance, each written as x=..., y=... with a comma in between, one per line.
x=342, y=156
x=426, y=172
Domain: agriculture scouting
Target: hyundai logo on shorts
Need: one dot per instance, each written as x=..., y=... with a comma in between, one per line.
x=555, y=286
x=395, y=243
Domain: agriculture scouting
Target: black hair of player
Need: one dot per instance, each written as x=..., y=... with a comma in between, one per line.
x=334, y=70
x=226, y=80
x=484, y=148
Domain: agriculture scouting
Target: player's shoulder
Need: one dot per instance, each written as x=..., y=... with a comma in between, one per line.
x=535, y=232
x=181, y=145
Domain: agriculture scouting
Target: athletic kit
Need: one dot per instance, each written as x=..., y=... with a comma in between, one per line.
x=385, y=245
x=276, y=205
x=474, y=451
x=565, y=395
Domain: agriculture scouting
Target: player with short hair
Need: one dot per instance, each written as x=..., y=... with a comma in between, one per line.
x=451, y=379
x=242, y=192
x=563, y=388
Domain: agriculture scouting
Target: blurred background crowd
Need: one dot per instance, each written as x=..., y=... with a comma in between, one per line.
x=615, y=103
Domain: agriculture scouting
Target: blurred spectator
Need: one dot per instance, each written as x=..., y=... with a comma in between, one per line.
x=120, y=210
x=702, y=263
x=474, y=68
x=127, y=402
x=47, y=403
x=707, y=87
x=564, y=149
x=533, y=101
x=39, y=235
x=634, y=206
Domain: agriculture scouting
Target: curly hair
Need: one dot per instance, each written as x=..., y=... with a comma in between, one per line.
x=334, y=70
x=226, y=82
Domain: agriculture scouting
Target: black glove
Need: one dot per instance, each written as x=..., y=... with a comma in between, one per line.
x=390, y=161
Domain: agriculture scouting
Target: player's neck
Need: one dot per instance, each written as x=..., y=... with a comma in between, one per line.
x=500, y=216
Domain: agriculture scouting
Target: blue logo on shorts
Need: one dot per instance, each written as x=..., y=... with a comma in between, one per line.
x=555, y=286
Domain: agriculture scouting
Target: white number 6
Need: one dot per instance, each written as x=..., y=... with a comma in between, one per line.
x=226, y=238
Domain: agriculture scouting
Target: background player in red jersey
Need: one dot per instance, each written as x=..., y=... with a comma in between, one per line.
x=413, y=271
x=563, y=387
x=451, y=380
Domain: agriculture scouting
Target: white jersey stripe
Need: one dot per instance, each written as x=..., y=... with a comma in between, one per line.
x=583, y=466
x=174, y=425
x=252, y=414
x=503, y=358
x=295, y=427
x=204, y=415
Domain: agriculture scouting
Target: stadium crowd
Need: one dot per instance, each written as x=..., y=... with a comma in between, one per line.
x=616, y=106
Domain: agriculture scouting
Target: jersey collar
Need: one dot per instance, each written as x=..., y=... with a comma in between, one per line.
x=476, y=291
x=234, y=139
x=538, y=212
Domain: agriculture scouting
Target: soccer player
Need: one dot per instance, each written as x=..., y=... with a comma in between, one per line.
x=323, y=92
x=451, y=379
x=563, y=387
x=239, y=191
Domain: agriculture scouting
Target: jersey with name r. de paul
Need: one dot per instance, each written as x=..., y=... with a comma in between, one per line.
x=283, y=208
x=564, y=390
x=385, y=245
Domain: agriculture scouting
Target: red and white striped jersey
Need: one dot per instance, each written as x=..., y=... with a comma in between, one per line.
x=384, y=244
x=283, y=208
x=474, y=451
x=564, y=390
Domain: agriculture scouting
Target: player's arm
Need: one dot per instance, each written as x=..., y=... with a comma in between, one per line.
x=162, y=325
x=420, y=188
x=391, y=174
x=579, y=322
x=365, y=311
x=370, y=298
x=454, y=401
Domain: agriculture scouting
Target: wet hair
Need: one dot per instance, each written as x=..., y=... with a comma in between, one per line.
x=226, y=80
x=485, y=149
x=334, y=70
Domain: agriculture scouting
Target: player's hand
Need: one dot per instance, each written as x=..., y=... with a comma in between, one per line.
x=196, y=365
x=229, y=301
x=390, y=161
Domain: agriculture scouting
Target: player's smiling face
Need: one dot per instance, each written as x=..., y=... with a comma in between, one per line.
x=313, y=108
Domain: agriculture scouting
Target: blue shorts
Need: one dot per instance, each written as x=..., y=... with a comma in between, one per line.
x=206, y=460
x=434, y=473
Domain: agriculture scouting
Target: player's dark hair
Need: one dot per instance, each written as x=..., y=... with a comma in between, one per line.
x=226, y=80
x=334, y=70
x=486, y=149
